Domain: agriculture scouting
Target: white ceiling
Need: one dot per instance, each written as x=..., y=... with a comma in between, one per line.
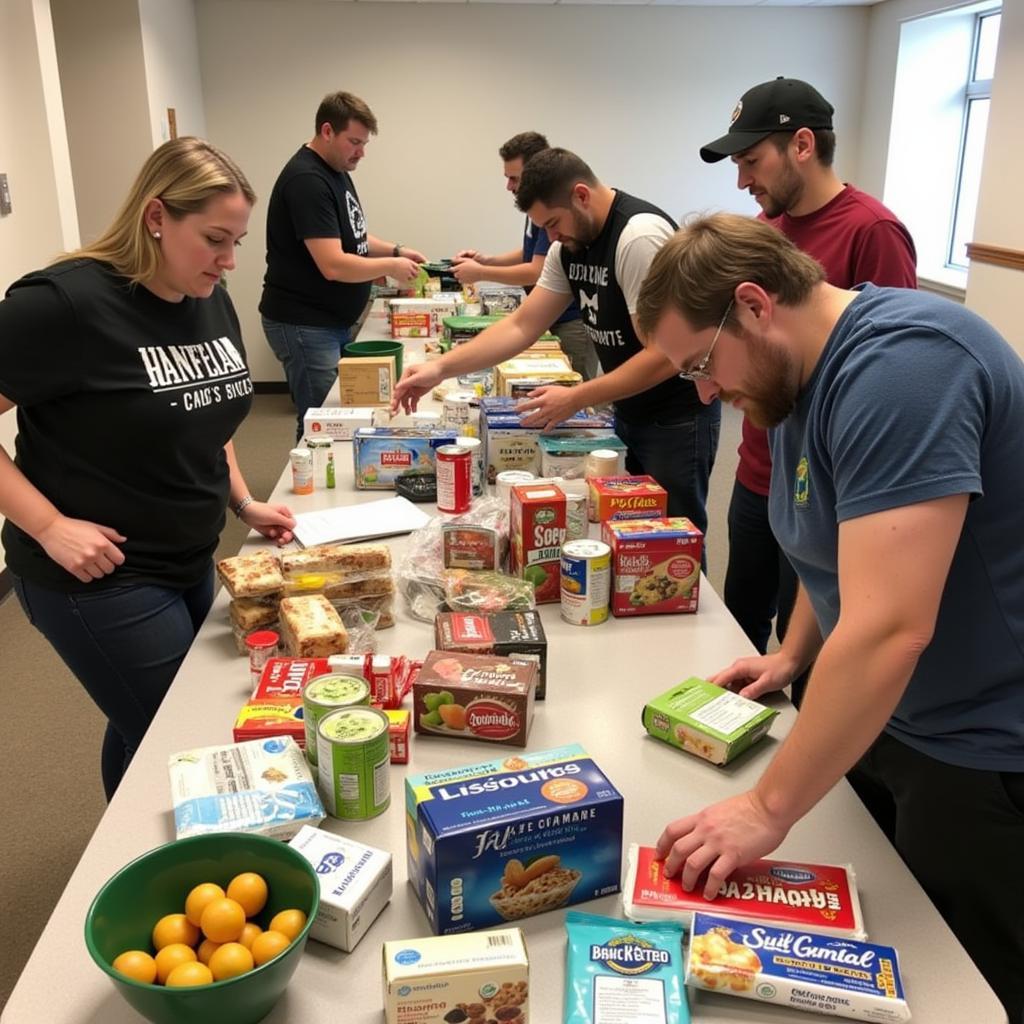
x=653, y=3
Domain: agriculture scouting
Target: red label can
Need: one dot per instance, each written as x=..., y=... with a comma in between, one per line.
x=454, y=478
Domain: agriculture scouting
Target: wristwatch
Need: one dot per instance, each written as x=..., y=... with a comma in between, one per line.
x=397, y=251
x=242, y=505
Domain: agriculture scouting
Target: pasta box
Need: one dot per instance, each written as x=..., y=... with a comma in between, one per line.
x=495, y=842
x=655, y=565
x=626, y=497
x=536, y=534
x=382, y=454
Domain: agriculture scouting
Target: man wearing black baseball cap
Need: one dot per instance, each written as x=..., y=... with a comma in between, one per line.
x=782, y=142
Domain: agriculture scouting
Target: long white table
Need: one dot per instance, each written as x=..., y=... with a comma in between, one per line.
x=598, y=680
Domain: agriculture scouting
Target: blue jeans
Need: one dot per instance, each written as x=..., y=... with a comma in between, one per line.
x=679, y=454
x=310, y=357
x=124, y=645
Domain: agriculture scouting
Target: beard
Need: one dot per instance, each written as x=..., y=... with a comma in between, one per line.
x=583, y=234
x=771, y=390
x=785, y=192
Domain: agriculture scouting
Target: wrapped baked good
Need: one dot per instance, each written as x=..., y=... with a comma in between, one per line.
x=257, y=574
x=248, y=614
x=337, y=585
x=311, y=627
x=347, y=558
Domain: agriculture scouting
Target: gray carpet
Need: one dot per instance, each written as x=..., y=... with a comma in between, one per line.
x=53, y=731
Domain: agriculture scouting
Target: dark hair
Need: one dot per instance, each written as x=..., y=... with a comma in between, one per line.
x=824, y=143
x=549, y=178
x=338, y=108
x=525, y=145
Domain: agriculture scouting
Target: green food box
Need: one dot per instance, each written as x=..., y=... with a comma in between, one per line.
x=706, y=720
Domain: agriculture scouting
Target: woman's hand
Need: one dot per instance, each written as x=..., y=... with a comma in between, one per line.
x=275, y=522
x=86, y=550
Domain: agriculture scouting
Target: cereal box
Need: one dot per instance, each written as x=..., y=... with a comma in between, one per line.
x=626, y=497
x=355, y=885
x=655, y=565
x=822, y=897
x=474, y=978
x=518, y=635
x=381, y=454
x=505, y=839
x=475, y=697
x=707, y=720
x=536, y=535
x=803, y=970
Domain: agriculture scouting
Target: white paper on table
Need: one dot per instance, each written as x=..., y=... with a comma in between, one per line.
x=383, y=518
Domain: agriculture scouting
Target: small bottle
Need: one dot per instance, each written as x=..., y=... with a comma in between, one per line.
x=330, y=469
x=302, y=470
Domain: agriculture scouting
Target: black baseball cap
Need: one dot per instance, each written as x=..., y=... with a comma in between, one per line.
x=782, y=105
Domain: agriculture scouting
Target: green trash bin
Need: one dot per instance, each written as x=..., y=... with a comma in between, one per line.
x=377, y=348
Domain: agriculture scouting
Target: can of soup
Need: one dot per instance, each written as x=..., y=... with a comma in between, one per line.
x=454, y=478
x=325, y=694
x=353, y=757
x=586, y=581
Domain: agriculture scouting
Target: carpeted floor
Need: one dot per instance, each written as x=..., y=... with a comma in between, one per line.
x=54, y=799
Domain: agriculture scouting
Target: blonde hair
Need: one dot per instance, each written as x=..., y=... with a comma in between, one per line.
x=697, y=270
x=184, y=174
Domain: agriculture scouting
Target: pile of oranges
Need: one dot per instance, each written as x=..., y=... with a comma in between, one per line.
x=213, y=940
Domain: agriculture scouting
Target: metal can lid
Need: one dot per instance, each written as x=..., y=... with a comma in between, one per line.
x=467, y=442
x=357, y=689
x=262, y=638
x=452, y=450
x=586, y=548
x=328, y=725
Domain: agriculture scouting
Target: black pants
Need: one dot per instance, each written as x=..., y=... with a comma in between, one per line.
x=961, y=832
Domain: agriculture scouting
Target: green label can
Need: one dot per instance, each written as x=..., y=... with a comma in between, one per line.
x=353, y=755
x=328, y=693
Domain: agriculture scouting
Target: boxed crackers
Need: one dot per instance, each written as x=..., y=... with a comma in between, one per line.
x=518, y=635
x=335, y=423
x=475, y=697
x=626, y=497
x=366, y=380
x=803, y=970
x=655, y=565
x=536, y=534
x=381, y=454
x=821, y=897
x=707, y=720
x=261, y=719
x=477, y=977
x=505, y=839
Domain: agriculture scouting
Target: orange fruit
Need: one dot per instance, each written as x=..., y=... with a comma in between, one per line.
x=138, y=966
x=169, y=957
x=189, y=973
x=206, y=949
x=223, y=920
x=250, y=890
x=230, y=960
x=288, y=922
x=195, y=902
x=267, y=945
x=249, y=932
x=173, y=928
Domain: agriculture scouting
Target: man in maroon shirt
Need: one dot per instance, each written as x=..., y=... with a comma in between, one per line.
x=782, y=143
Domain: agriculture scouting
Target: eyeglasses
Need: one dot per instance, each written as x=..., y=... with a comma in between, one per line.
x=701, y=371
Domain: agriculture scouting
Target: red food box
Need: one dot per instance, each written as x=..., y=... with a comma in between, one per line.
x=626, y=497
x=287, y=677
x=264, y=719
x=398, y=734
x=655, y=565
x=537, y=531
x=816, y=897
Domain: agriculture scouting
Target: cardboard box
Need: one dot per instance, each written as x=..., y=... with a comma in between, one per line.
x=427, y=980
x=566, y=456
x=475, y=697
x=366, y=380
x=262, y=719
x=707, y=720
x=380, y=454
x=398, y=734
x=655, y=565
x=286, y=678
x=551, y=367
x=536, y=533
x=518, y=635
x=502, y=840
x=355, y=885
x=626, y=497
x=337, y=424
x=419, y=318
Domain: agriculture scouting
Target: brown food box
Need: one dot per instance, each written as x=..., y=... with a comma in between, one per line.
x=366, y=380
x=475, y=697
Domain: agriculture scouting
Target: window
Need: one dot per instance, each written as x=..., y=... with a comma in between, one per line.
x=972, y=148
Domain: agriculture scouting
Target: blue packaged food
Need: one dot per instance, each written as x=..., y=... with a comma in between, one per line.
x=619, y=971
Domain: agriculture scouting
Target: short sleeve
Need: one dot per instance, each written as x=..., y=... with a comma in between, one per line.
x=552, y=275
x=885, y=256
x=541, y=242
x=40, y=343
x=638, y=244
x=312, y=207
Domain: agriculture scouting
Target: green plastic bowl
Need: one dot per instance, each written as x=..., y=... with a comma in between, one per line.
x=123, y=914
x=378, y=348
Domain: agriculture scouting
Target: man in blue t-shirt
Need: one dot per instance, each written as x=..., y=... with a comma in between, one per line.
x=896, y=493
x=523, y=265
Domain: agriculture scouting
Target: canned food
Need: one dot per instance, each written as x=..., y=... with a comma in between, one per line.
x=454, y=478
x=509, y=478
x=301, y=460
x=586, y=581
x=262, y=647
x=476, y=453
x=325, y=694
x=461, y=411
x=353, y=757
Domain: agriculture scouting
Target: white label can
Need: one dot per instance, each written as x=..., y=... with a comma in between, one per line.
x=586, y=574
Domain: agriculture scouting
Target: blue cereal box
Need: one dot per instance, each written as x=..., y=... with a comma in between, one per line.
x=798, y=969
x=381, y=454
x=502, y=840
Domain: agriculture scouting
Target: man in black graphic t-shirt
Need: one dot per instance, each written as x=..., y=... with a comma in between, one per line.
x=320, y=257
x=603, y=242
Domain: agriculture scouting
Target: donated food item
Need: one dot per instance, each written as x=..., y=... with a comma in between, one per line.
x=355, y=885
x=339, y=558
x=262, y=646
x=472, y=546
x=341, y=585
x=475, y=697
x=585, y=582
x=398, y=734
x=655, y=565
x=626, y=497
x=257, y=574
x=459, y=329
x=500, y=300
x=262, y=719
x=336, y=423
x=517, y=635
x=353, y=755
x=536, y=535
x=366, y=381
x=822, y=897
x=371, y=607
x=707, y=720
x=506, y=839
x=381, y=454
x=457, y=979
x=263, y=786
x=551, y=367
x=327, y=693
x=566, y=456
x=250, y=614
x=803, y=970
x=486, y=591
x=388, y=677
x=311, y=627
x=286, y=678
x=617, y=971
x=418, y=318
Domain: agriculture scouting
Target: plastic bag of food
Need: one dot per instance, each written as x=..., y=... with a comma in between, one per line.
x=467, y=590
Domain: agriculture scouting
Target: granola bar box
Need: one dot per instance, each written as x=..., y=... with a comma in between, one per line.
x=655, y=565
x=626, y=497
x=475, y=697
x=499, y=841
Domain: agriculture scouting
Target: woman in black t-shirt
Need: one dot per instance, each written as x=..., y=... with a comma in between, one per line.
x=126, y=365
